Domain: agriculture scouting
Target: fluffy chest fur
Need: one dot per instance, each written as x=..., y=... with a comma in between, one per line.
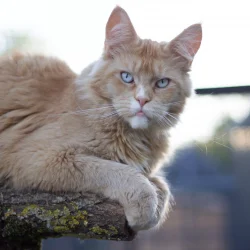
x=142, y=151
x=120, y=143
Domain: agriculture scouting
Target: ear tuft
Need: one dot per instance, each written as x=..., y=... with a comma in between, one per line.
x=119, y=30
x=188, y=42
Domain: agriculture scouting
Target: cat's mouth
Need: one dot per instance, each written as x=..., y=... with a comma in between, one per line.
x=140, y=113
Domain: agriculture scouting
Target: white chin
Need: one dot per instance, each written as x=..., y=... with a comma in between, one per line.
x=138, y=122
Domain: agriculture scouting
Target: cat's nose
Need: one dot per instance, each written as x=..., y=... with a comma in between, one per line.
x=142, y=100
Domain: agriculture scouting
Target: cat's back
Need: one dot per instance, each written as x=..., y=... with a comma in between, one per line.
x=33, y=74
x=31, y=85
x=37, y=65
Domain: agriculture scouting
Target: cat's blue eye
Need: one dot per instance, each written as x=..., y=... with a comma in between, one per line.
x=127, y=77
x=162, y=83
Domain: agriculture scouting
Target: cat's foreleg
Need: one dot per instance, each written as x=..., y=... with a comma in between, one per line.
x=77, y=172
x=125, y=184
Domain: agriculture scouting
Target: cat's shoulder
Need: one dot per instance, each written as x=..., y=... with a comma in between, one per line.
x=39, y=66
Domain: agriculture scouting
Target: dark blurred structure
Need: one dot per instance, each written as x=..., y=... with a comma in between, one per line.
x=211, y=186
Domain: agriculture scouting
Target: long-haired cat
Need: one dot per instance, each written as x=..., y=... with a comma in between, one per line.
x=104, y=131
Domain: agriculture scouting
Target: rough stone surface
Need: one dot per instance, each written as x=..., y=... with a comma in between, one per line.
x=28, y=217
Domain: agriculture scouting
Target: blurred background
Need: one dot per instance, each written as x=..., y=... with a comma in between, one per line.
x=209, y=170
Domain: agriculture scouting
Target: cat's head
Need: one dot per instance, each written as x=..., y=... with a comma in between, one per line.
x=145, y=81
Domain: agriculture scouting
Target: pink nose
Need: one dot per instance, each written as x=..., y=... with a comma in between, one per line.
x=142, y=100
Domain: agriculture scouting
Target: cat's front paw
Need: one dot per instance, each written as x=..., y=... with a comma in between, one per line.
x=149, y=204
x=141, y=210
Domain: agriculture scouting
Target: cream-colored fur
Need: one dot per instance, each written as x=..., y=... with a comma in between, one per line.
x=60, y=131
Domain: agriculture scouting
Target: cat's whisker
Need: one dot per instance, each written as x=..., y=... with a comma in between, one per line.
x=162, y=113
x=161, y=120
x=96, y=116
x=221, y=144
x=169, y=121
x=110, y=115
x=156, y=114
x=170, y=103
x=169, y=114
x=172, y=115
x=83, y=111
x=165, y=122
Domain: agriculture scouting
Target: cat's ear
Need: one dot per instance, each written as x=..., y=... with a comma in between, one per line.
x=119, y=30
x=186, y=44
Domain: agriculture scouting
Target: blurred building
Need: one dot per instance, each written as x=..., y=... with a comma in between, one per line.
x=240, y=136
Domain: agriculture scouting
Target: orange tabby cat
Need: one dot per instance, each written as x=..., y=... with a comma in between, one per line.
x=104, y=131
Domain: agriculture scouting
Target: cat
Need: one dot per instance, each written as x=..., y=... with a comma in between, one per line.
x=103, y=131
